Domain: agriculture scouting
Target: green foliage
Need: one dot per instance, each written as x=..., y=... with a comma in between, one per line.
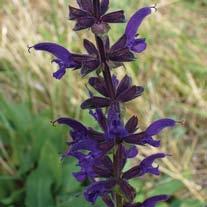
x=33, y=174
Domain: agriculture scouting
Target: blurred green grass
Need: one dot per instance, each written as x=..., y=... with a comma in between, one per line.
x=173, y=70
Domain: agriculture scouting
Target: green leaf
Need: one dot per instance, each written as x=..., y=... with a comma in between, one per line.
x=38, y=190
x=166, y=186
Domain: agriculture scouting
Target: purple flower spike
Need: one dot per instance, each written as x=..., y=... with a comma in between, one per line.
x=63, y=57
x=99, y=188
x=144, y=167
x=136, y=45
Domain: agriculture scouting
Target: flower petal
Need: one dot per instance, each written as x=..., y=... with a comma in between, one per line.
x=128, y=191
x=99, y=188
x=90, y=47
x=108, y=201
x=130, y=93
x=84, y=22
x=121, y=43
x=103, y=167
x=120, y=158
x=157, y=126
x=122, y=55
x=152, y=201
x=144, y=167
x=132, y=152
x=142, y=139
x=104, y=6
x=75, y=13
x=138, y=45
x=79, y=176
x=76, y=125
x=135, y=21
x=98, y=83
x=86, y=5
x=95, y=102
x=131, y=124
x=89, y=66
x=124, y=85
x=114, y=17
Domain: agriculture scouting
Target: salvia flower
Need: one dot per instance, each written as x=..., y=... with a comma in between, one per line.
x=102, y=153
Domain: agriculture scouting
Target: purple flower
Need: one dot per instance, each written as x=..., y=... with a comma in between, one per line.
x=145, y=137
x=99, y=188
x=86, y=163
x=86, y=17
x=136, y=45
x=64, y=58
x=144, y=167
x=150, y=202
x=83, y=138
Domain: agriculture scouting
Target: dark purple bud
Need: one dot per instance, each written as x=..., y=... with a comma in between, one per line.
x=127, y=190
x=95, y=102
x=75, y=13
x=132, y=152
x=157, y=126
x=86, y=5
x=90, y=47
x=114, y=17
x=75, y=125
x=130, y=93
x=84, y=22
x=98, y=83
x=144, y=167
x=124, y=85
x=131, y=124
x=99, y=188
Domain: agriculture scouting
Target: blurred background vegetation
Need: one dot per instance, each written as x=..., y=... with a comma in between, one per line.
x=173, y=70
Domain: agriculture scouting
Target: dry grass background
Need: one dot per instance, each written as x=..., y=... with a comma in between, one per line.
x=173, y=70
